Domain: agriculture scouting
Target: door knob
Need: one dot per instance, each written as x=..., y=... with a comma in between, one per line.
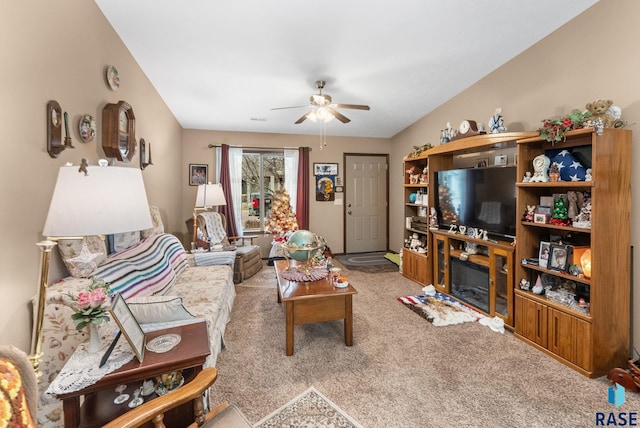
x=349, y=205
x=349, y=212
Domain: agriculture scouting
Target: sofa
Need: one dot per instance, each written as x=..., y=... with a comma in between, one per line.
x=152, y=275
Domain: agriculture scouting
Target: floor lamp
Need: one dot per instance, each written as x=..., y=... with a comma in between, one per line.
x=99, y=201
x=209, y=195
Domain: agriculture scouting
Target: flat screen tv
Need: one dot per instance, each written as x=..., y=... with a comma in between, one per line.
x=484, y=198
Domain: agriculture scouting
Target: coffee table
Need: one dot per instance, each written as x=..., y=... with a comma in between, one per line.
x=313, y=301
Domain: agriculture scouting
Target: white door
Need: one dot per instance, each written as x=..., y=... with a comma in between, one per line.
x=366, y=205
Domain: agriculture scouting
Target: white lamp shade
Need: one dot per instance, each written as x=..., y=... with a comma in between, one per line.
x=105, y=201
x=210, y=195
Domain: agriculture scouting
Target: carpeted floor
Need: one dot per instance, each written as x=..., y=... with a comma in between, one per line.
x=401, y=371
x=368, y=262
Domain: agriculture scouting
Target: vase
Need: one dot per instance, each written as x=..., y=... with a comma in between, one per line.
x=95, y=342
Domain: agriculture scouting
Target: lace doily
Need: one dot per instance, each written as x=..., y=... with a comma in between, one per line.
x=296, y=275
x=82, y=368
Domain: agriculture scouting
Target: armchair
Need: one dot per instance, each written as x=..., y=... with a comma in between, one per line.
x=18, y=388
x=224, y=415
x=248, y=261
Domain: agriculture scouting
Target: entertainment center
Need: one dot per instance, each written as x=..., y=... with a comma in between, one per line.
x=484, y=254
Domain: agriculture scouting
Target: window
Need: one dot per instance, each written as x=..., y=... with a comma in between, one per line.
x=262, y=176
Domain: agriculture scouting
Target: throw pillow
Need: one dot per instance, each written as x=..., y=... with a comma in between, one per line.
x=158, y=226
x=153, y=309
x=570, y=168
x=122, y=241
x=82, y=256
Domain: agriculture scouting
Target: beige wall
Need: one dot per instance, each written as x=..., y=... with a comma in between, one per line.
x=594, y=56
x=58, y=51
x=325, y=218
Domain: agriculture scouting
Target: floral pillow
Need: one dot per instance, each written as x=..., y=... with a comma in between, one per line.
x=158, y=226
x=82, y=256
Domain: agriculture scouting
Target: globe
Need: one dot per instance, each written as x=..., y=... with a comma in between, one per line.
x=299, y=241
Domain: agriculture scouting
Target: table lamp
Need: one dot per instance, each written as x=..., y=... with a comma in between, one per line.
x=96, y=200
x=209, y=195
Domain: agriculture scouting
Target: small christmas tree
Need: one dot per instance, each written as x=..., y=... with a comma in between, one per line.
x=281, y=217
x=560, y=216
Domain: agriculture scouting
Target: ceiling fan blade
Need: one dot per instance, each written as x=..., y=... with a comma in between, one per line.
x=342, y=118
x=302, y=119
x=284, y=108
x=354, y=106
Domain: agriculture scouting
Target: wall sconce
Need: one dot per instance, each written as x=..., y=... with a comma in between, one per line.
x=144, y=150
x=54, y=130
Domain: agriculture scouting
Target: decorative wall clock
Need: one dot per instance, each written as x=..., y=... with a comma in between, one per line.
x=118, y=131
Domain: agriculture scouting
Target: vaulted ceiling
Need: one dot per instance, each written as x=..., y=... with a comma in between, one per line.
x=225, y=64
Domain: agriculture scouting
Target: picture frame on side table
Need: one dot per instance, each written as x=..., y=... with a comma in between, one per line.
x=128, y=325
x=559, y=257
x=198, y=174
x=325, y=168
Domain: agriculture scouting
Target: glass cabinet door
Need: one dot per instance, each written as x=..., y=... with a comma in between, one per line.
x=502, y=287
x=440, y=261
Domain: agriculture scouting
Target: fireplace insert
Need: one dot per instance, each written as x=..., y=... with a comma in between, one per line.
x=470, y=283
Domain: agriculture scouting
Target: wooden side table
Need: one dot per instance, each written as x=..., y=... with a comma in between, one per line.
x=98, y=407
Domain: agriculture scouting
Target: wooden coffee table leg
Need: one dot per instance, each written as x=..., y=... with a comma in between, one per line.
x=348, y=321
x=289, y=323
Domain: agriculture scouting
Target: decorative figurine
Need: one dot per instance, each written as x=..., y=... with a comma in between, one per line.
x=424, y=178
x=583, y=220
x=433, y=218
x=560, y=216
x=527, y=177
x=537, y=288
x=554, y=173
x=525, y=284
x=540, y=169
x=572, y=211
x=530, y=213
x=588, y=173
x=496, y=123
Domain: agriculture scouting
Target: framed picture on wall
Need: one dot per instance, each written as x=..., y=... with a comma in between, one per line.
x=198, y=174
x=325, y=168
x=325, y=188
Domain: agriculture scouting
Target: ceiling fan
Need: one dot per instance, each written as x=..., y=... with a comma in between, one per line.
x=323, y=108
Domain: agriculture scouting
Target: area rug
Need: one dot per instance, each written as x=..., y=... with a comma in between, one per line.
x=440, y=309
x=309, y=409
x=367, y=262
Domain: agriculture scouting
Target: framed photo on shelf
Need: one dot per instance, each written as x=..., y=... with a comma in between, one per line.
x=325, y=168
x=559, y=257
x=539, y=218
x=198, y=174
x=543, y=256
x=482, y=162
x=128, y=325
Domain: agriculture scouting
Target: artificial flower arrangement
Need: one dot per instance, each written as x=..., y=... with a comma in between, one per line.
x=553, y=130
x=90, y=304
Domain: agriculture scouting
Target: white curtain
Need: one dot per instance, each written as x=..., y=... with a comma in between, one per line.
x=291, y=175
x=235, y=172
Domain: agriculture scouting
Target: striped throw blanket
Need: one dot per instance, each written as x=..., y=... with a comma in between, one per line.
x=150, y=267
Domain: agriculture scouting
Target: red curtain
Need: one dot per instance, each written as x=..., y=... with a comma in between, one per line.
x=302, y=199
x=225, y=181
